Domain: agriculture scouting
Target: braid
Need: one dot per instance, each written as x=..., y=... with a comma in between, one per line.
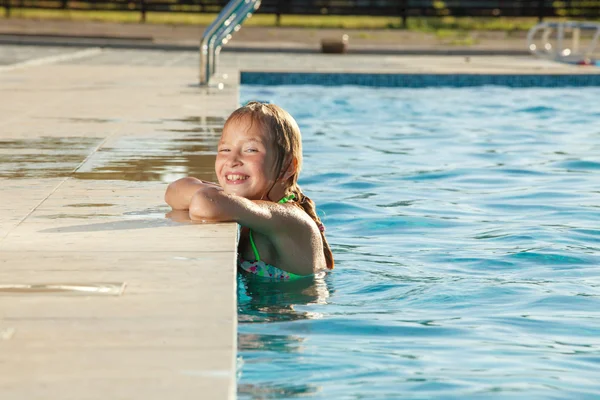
x=309, y=207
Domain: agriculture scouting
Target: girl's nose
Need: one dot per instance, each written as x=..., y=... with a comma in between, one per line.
x=234, y=159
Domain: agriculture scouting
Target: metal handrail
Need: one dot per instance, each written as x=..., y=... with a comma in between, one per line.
x=224, y=35
x=561, y=52
x=219, y=32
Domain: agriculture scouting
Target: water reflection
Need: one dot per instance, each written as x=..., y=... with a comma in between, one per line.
x=266, y=301
x=261, y=301
x=83, y=120
x=278, y=343
x=154, y=159
x=129, y=158
x=109, y=289
x=74, y=216
x=44, y=157
x=94, y=205
x=266, y=391
x=200, y=120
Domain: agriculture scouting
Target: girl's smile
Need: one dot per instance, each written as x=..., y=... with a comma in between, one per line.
x=235, y=179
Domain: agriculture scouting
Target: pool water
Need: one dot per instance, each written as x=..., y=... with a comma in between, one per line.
x=465, y=224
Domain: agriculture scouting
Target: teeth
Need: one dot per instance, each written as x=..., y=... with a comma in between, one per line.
x=236, y=177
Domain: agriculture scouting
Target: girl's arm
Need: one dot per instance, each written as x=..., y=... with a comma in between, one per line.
x=267, y=217
x=287, y=227
x=179, y=193
x=213, y=204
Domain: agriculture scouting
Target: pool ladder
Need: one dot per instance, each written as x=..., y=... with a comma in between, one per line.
x=562, y=50
x=219, y=32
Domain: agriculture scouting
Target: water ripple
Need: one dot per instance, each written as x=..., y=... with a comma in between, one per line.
x=464, y=223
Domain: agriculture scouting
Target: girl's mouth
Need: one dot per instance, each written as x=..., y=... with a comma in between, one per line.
x=236, y=178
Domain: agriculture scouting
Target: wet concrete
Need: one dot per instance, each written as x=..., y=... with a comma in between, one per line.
x=101, y=294
x=149, y=159
x=44, y=157
x=85, y=289
x=154, y=159
x=89, y=205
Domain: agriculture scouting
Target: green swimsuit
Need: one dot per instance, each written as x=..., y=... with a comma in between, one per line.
x=259, y=267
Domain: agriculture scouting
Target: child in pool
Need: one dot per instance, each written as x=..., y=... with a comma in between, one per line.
x=258, y=162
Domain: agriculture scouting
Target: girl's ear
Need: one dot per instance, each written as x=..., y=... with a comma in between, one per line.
x=291, y=169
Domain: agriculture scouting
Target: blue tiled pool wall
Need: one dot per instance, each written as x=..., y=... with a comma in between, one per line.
x=417, y=80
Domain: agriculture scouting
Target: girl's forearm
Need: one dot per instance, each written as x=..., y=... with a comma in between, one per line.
x=179, y=193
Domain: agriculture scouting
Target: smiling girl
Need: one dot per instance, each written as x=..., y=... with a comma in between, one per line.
x=258, y=162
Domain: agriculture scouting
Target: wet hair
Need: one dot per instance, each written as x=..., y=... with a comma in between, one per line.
x=287, y=142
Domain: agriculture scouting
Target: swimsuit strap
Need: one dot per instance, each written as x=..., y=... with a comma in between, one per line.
x=254, y=249
x=285, y=199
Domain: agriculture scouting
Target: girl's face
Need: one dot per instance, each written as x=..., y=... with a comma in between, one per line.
x=245, y=159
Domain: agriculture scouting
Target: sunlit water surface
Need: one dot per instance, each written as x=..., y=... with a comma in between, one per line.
x=465, y=224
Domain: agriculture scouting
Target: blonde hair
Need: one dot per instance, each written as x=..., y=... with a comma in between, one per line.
x=287, y=141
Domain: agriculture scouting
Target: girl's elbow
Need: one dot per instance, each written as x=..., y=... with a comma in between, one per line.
x=175, y=195
x=204, y=207
x=198, y=209
x=172, y=197
x=169, y=195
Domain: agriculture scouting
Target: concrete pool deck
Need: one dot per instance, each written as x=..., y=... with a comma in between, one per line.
x=101, y=296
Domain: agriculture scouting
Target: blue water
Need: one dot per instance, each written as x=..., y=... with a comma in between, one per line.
x=465, y=224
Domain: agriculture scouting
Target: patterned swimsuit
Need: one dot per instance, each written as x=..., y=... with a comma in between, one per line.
x=264, y=270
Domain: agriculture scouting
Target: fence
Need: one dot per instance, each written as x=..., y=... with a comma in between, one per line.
x=572, y=9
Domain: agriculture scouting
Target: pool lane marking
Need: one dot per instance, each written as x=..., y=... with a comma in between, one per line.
x=52, y=59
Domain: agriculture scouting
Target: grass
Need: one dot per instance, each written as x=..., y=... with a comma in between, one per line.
x=471, y=24
x=455, y=38
x=421, y=24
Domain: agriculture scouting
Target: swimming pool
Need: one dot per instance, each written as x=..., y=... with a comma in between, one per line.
x=465, y=226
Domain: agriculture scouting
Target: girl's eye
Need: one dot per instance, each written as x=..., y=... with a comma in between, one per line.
x=252, y=150
x=223, y=150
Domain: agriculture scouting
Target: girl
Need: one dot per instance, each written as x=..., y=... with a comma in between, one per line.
x=258, y=162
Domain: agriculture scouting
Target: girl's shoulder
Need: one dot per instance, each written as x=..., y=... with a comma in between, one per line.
x=295, y=239
x=298, y=242
x=295, y=215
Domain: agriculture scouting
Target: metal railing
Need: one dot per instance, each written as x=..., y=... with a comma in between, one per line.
x=562, y=50
x=402, y=9
x=219, y=32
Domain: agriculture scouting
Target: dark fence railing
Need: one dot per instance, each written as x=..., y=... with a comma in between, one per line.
x=572, y=9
